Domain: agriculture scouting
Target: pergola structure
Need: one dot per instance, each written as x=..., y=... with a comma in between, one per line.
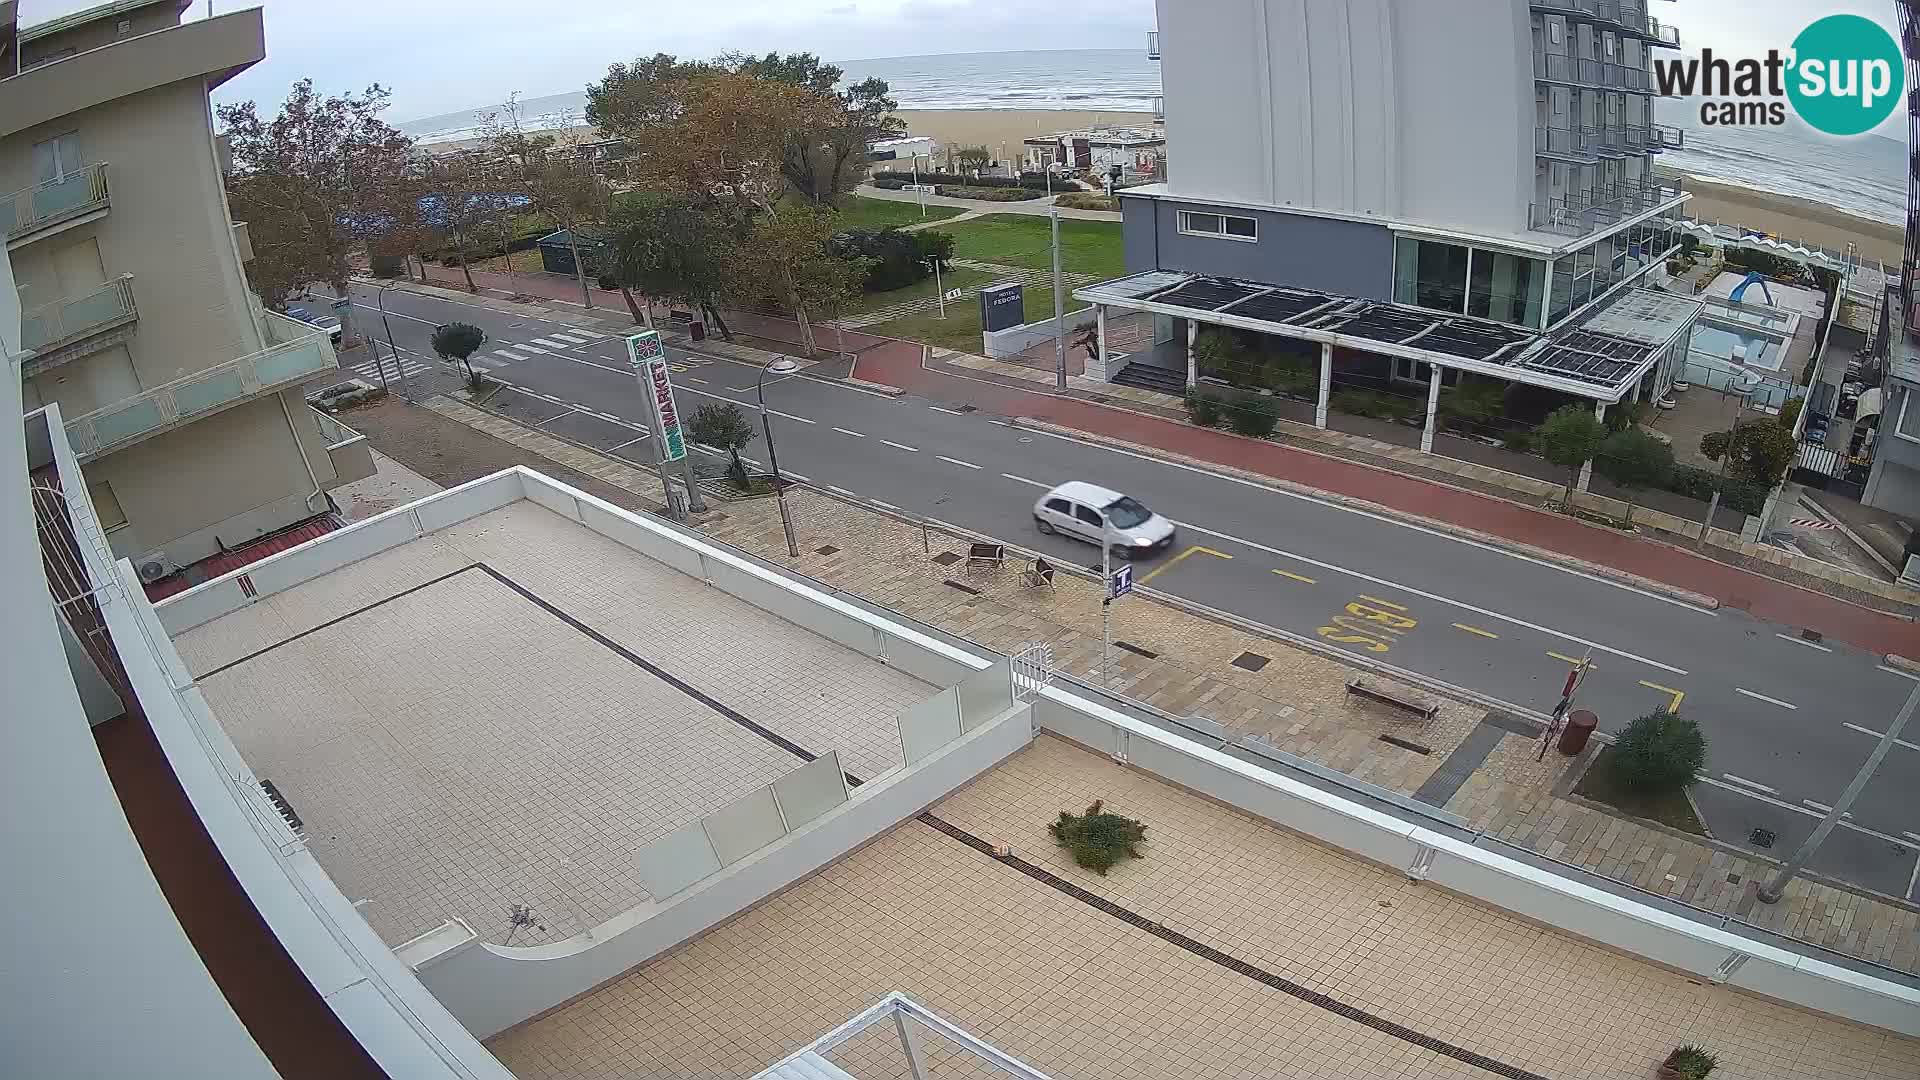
x=1601, y=357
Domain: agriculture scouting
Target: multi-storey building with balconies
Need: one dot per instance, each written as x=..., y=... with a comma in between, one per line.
x=183, y=395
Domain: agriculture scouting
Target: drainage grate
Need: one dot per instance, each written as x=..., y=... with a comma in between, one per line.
x=1811, y=635
x=968, y=589
x=968, y=408
x=1405, y=745
x=1733, y=879
x=1251, y=661
x=280, y=803
x=827, y=550
x=1761, y=838
x=946, y=558
x=1136, y=650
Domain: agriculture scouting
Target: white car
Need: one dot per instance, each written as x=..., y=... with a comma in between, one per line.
x=1098, y=515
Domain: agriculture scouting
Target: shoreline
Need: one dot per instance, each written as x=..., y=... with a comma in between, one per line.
x=997, y=128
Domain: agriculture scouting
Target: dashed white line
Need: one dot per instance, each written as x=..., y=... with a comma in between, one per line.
x=1881, y=735
x=1825, y=808
x=692, y=379
x=1755, y=784
x=901, y=446
x=1023, y=480
x=1897, y=671
x=626, y=444
x=1911, y=835
x=531, y=349
x=551, y=344
x=949, y=412
x=1803, y=641
x=1798, y=809
x=957, y=461
x=855, y=434
x=884, y=505
x=791, y=475
x=705, y=449
x=1765, y=698
x=838, y=490
x=790, y=416
x=508, y=355
x=999, y=423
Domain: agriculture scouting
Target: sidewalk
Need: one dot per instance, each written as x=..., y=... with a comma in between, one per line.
x=1185, y=667
x=1041, y=207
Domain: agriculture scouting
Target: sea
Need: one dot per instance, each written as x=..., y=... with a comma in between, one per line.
x=1865, y=175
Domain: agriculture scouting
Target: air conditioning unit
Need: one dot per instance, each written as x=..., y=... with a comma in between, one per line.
x=153, y=566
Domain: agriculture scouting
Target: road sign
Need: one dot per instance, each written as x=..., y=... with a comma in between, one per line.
x=649, y=360
x=1121, y=583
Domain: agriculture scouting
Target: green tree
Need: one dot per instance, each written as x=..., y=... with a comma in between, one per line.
x=676, y=251
x=1569, y=438
x=791, y=264
x=1659, y=753
x=821, y=163
x=1634, y=460
x=723, y=425
x=1097, y=839
x=458, y=341
x=554, y=176
x=973, y=157
x=1761, y=450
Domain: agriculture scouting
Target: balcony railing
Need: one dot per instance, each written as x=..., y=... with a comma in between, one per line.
x=347, y=449
x=1628, y=15
x=50, y=326
x=1580, y=213
x=1159, y=107
x=202, y=393
x=1665, y=137
x=1153, y=44
x=1662, y=33
x=1566, y=142
x=31, y=209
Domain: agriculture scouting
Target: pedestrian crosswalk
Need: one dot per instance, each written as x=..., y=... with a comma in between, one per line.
x=407, y=369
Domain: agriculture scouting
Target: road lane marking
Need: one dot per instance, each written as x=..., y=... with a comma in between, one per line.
x=1881, y=735
x=1803, y=641
x=1765, y=698
x=791, y=475
x=705, y=449
x=1564, y=658
x=1913, y=879
x=1382, y=603
x=508, y=354
x=1291, y=576
x=884, y=505
x=1824, y=808
x=1678, y=695
x=531, y=349
x=999, y=423
x=790, y=416
x=1284, y=493
x=956, y=461
x=1897, y=671
x=692, y=379
x=838, y=490
x=1023, y=480
x=949, y=412
x=1755, y=784
x=626, y=444
x=855, y=434
x=1474, y=630
x=901, y=446
x=1436, y=597
x=398, y=315
x=551, y=344
x=1798, y=809
x=1193, y=549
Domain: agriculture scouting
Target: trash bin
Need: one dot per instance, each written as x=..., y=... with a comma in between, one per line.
x=1580, y=725
x=698, y=329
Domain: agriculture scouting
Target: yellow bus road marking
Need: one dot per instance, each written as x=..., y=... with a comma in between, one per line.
x=1564, y=658
x=1474, y=630
x=1175, y=561
x=1382, y=603
x=1291, y=576
x=1678, y=695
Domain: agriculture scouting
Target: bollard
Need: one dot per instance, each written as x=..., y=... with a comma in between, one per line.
x=1580, y=726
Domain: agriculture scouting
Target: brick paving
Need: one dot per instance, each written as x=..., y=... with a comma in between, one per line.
x=1297, y=701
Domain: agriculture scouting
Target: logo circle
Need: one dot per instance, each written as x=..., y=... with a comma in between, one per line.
x=1847, y=75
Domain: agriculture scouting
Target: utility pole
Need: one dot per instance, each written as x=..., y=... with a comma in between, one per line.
x=1059, y=309
x=938, y=288
x=1771, y=892
x=917, y=190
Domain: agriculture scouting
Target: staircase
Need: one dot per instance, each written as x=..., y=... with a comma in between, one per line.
x=1148, y=377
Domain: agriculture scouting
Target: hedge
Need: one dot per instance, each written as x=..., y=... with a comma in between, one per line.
x=988, y=194
x=1025, y=180
x=1697, y=483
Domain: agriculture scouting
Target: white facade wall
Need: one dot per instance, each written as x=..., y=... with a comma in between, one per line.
x=1406, y=110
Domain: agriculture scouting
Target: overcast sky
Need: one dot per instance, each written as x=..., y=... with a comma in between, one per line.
x=443, y=55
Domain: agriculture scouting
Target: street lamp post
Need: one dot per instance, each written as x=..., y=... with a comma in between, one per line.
x=380, y=297
x=782, y=366
x=939, y=289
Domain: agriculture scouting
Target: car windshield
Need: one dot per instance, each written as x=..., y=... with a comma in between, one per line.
x=1127, y=513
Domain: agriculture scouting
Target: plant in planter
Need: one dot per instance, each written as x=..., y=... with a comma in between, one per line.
x=1688, y=1062
x=1097, y=839
x=1659, y=752
x=1203, y=408
x=724, y=425
x=1256, y=417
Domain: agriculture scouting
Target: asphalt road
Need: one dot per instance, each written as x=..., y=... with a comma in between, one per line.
x=1789, y=722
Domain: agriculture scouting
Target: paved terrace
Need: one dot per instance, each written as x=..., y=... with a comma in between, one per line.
x=501, y=712
x=1340, y=968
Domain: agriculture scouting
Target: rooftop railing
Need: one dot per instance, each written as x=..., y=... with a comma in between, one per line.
x=1153, y=44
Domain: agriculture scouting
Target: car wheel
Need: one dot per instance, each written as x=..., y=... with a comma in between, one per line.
x=1041, y=524
x=1123, y=553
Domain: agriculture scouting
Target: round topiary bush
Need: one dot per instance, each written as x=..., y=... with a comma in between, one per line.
x=1097, y=839
x=1203, y=408
x=1659, y=753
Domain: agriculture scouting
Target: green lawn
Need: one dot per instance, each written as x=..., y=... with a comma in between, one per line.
x=860, y=212
x=1086, y=247
x=952, y=279
x=960, y=330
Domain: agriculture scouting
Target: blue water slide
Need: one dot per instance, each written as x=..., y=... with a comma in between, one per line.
x=1752, y=278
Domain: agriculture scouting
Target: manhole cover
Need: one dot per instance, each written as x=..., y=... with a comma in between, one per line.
x=1250, y=661
x=828, y=550
x=1761, y=838
x=947, y=558
x=968, y=408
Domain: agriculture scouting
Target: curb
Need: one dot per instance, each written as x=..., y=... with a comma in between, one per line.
x=1895, y=660
x=878, y=388
x=1610, y=573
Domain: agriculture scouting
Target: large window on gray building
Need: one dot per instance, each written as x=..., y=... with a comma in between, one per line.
x=1430, y=274
x=1506, y=288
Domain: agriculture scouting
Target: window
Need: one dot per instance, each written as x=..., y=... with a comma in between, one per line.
x=56, y=158
x=1060, y=506
x=1909, y=417
x=105, y=505
x=1507, y=288
x=1087, y=515
x=1226, y=226
x=1555, y=30
x=1126, y=513
x=1430, y=274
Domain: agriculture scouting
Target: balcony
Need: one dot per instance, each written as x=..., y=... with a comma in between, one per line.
x=203, y=393
x=1578, y=145
x=347, y=449
x=1665, y=137
x=1659, y=33
x=1153, y=44
x=74, y=327
x=41, y=210
x=1628, y=16
x=1159, y=108
x=1582, y=213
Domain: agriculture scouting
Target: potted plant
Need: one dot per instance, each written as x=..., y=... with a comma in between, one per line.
x=1688, y=1062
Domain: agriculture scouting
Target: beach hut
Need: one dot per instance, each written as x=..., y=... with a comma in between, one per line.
x=556, y=254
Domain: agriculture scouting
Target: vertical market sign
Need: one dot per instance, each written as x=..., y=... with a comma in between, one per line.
x=649, y=360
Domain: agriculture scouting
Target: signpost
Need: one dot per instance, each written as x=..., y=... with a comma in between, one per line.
x=1575, y=676
x=648, y=357
x=1120, y=582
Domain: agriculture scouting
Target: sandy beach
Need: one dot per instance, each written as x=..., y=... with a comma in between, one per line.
x=997, y=128
x=1793, y=218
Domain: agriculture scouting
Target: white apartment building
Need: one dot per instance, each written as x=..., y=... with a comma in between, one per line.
x=182, y=394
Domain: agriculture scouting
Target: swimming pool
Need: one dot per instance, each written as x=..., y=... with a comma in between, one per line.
x=1720, y=343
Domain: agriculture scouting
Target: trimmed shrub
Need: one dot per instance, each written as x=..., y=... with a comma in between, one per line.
x=1203, y=408
x=890, y=185
x=1253, y=416
x=990, y=194
x=1659, y=753
x=1086, y=200
x=1520, y=442
x=1097, y=839
x=1026, y=180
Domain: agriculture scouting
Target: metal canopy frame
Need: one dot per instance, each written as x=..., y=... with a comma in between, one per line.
x=1600, y=365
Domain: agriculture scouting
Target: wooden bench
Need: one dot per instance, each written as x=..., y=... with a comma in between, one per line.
x=1041, y=576
x=1367, y=687
x=989, y=556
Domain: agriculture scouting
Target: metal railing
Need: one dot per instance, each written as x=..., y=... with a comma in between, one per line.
x=335, y=432
x=1573, y=142
x=1159, y=107
x=1665, y=137
x=51, y=325
x=1662, y=33
x=1153, y=44
x=54, y=201
x=199, y=394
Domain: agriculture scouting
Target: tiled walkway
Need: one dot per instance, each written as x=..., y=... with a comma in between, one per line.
x=458, y=750
x=1077, y=992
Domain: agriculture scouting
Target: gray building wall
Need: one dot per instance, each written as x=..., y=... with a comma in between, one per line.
x=1353, y=258
x=1894, y=483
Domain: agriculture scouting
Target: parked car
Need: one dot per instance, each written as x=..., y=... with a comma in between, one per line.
x=321, y=322
x=1102, y=516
